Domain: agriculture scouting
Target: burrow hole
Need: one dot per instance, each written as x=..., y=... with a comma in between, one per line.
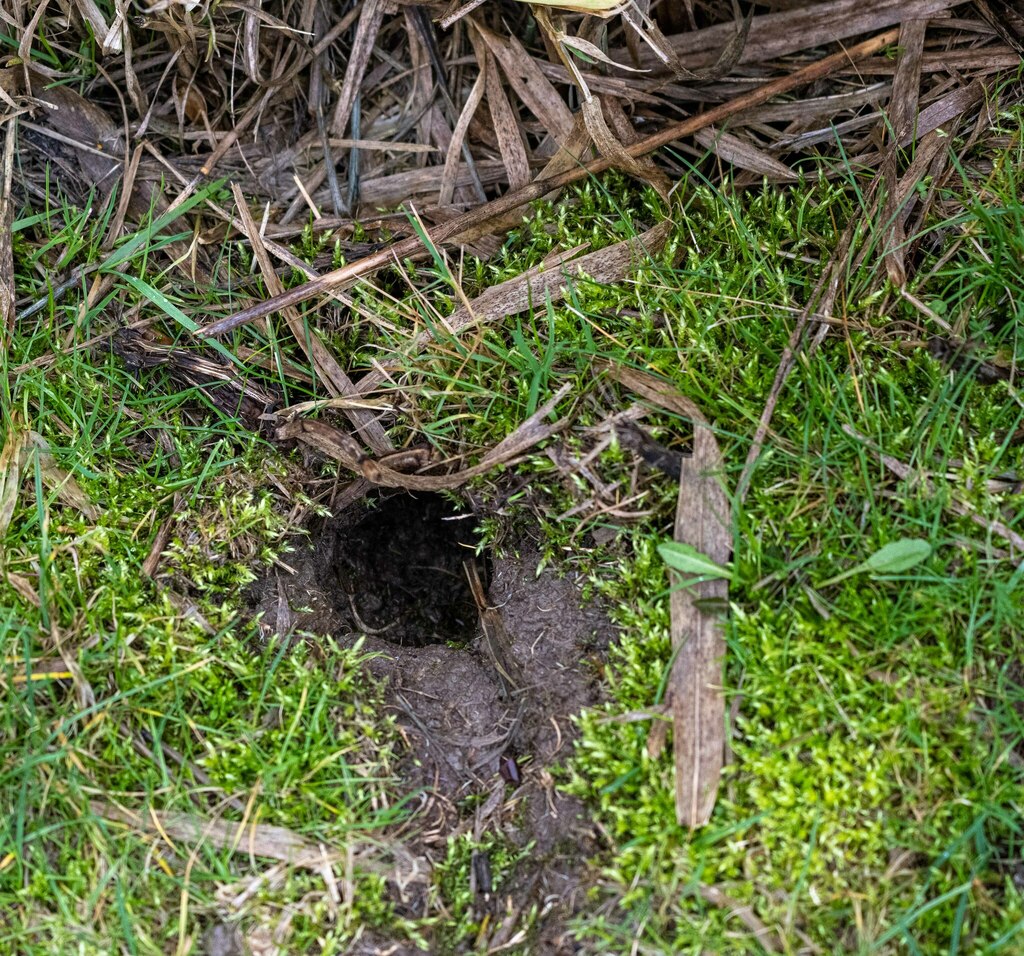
x=398, y=569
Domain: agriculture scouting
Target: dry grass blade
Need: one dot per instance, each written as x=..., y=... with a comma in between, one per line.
x=945, y=110
x=547, y=282
x=225, y=388
x=514, y=200
x=695, y=685
x=775, y=35
x=506, y=128
x=162, y=538
x=84, y=693
x=14, y=458
x=818, y=305
x=654, y=389
x=607, y=144
x=495, y=642
x=955, y=504
x=110, y=40
x=529, y=82
x=618, y=157
x=328, y=440
x=593, y=8
x=953, y=104
x=451, y=160
x=740, y=153
x=766, y=937
x=326, y=365
x=335, y=444
x=644, y=28
x=59, y=479
x=455, y=11
x=902, y=114
x=6, y=223
x=531, y=432
x=250, y=839
x=370, y=19
x=1005, y=20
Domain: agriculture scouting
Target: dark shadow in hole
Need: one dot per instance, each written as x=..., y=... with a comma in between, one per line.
x=397, y=570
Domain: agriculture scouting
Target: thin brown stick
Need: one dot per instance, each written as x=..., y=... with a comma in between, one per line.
x=7, y=203
x=537, y=189
x=496, y=642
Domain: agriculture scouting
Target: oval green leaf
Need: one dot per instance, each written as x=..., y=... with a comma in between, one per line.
x=898, y=556
x=686, y=559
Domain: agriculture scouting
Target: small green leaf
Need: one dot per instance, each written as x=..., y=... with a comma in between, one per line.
x=688, y=560
x=898, y=556
x=712, y=605
x=891, y=558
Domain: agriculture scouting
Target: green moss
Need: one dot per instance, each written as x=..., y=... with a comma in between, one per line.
x=159, y=697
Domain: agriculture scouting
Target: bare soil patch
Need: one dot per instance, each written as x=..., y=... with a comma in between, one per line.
x=478, y=761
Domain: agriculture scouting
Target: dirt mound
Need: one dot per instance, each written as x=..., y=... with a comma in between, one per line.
x=479, y=752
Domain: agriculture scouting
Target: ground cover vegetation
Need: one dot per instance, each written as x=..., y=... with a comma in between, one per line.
x=825, y=277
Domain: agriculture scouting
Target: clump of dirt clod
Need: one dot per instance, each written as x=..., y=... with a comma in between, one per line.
x=394, y=571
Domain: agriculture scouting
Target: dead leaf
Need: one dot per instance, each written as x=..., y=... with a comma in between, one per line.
x=59, y=479
x=506, y=128
x=694, y=692
x=77, y=136
x=24, y=587
x=654, y=389
x=530, y=83
x=10, y=476
x=732, y=149
x=609, y=147
x=250, y=839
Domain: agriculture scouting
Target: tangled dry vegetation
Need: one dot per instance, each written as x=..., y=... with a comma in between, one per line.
x=461, y=114
x=366, y=142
